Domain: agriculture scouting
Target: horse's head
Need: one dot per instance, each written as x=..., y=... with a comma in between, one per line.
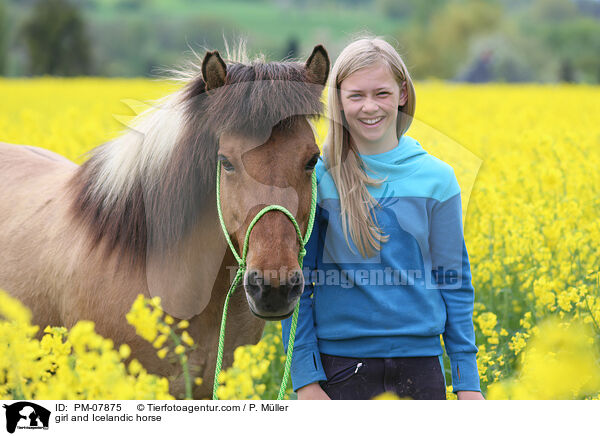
x=256, y=174
x=267, y=152
x=149, y=195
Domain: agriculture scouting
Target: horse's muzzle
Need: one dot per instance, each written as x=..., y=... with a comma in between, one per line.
x=270, y=298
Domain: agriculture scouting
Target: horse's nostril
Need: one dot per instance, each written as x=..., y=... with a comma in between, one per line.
x=295, y=285
x=295, y=278
x=254, y=284
x=254, y=278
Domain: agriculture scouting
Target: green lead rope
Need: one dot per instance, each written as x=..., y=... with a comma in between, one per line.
x=242, y=269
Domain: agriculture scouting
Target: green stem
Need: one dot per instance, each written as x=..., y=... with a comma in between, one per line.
x=184, y=366
x=591, y=314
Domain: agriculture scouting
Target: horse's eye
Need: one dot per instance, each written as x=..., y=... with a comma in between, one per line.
x=312, y=162
x=225, y=163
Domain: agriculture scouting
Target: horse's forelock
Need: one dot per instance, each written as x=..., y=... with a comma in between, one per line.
x=259, y=96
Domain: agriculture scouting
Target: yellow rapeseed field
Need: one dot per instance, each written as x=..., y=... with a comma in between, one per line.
x=527, y=159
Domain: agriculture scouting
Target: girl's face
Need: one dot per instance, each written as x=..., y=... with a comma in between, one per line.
x=370, y=98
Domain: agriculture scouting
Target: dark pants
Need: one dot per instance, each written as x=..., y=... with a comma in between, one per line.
x=354, y=378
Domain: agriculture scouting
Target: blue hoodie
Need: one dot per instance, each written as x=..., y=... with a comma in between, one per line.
x=398, y=302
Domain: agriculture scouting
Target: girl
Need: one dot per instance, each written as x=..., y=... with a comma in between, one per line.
x=386, y=269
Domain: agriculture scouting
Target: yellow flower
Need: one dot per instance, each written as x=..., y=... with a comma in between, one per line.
x=487, y=322
x=145, y=318
x=160, y=341
x=530, y=220
x=124, y=351
x=493, y=340
x=558, y=364
x=12, y=310
x=388, y=396
x=187, y=339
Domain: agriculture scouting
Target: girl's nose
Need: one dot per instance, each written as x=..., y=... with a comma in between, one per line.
x=369, y=106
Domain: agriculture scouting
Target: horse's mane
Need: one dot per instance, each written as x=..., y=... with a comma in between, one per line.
x=145, y=189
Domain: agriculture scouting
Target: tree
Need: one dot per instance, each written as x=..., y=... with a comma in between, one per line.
x=508, y=56
x=567, y=36
x=2, y=38
x=553, y=11
x=396, y=8
x=577, y=43
x=56, y=39
x=439, y=46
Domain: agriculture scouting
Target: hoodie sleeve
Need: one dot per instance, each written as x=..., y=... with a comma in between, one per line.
x=451, y=272
x=306, y=360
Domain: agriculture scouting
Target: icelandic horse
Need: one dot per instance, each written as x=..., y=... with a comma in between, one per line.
x=140, y=216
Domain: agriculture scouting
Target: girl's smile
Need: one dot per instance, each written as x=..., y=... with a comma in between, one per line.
x=370, y=98
x=372, y=122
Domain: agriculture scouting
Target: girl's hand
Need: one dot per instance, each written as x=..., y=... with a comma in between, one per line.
x=462, y=395
x=312, y=391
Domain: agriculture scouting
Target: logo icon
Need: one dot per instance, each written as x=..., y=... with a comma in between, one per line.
x=26, y=415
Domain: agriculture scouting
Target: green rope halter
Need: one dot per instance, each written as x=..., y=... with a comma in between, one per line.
x=242, y=268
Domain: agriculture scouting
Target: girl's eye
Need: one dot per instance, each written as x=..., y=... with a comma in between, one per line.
x=383, y=94
x=354, y=96
x=227, y=166
x=312, y=162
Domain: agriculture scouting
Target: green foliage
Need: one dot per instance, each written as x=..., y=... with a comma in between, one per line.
x=576, y=45
x=162, y=33
x=395, y=8
x=545, y=40
x=513, y=55
x=56, y=39
x=441, y=45
x=3, y=33
x=553, y=11
x=538, y=40
x=417, y=11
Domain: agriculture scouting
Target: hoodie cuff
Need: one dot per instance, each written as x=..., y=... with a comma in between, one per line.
x=465, y=376
x=306, y=366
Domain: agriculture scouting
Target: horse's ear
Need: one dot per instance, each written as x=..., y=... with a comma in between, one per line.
x=214, y=70
x=317, y=65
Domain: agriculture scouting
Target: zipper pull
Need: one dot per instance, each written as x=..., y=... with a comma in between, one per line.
x=357, y=366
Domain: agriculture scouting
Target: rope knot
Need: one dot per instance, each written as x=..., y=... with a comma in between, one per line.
x=302, y=252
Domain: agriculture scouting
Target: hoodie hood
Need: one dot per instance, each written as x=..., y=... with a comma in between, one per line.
x=397, y=163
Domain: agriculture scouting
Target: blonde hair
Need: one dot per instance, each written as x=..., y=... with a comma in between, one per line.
x=341, y=155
